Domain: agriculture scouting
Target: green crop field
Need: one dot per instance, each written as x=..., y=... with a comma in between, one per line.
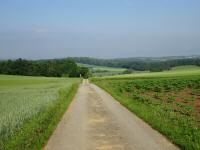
x=168, y=101
x=176, y=71
x=186, y=67
x=30, y=108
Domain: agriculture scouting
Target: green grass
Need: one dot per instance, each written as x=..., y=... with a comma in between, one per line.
x=171, y=73
x=30, y=108
x=186, y=67
x=168, y=101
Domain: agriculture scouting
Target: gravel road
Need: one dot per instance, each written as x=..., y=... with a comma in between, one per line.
x=96, y=121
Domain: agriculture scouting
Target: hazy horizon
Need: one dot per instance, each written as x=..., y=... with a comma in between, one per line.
x=166, y=56
x=101, y=29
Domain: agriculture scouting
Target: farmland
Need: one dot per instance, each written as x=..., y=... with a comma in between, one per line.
x=186, y=68
x=30, y=108
x=168, y=101
x=103, y=70
x=176, y=71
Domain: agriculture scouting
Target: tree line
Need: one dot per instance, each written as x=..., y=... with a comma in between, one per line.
x=68, y=67
x=140, y=64
x=49, y=68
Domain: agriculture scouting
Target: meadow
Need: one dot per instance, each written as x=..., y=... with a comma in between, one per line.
x=31, y=107
x=168, y=101
x=175, y=71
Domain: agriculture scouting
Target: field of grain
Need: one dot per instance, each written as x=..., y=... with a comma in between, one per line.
x=168, y=101
x=25, y=101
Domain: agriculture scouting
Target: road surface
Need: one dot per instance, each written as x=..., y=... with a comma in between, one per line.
x=95, y=121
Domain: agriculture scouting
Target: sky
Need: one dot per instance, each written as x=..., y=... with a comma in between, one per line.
x=39, y=29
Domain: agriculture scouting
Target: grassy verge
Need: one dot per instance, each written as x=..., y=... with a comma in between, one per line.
x=35, y=132
x=160, y=102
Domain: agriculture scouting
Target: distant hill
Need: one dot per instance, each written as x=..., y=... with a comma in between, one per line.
x=133, y=64
x=142, y=63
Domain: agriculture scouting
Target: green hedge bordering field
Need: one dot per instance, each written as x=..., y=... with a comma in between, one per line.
x=36, y=132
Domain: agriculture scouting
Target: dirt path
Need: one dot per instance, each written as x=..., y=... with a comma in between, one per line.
x=95, y=121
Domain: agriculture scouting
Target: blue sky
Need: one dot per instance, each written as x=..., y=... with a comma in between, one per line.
x=36, y=29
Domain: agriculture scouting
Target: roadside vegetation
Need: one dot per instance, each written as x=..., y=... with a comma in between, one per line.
x=168, y=101
x=30, y=108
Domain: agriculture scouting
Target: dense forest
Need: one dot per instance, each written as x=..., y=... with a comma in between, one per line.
x=49, y=68
x=141, y=64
